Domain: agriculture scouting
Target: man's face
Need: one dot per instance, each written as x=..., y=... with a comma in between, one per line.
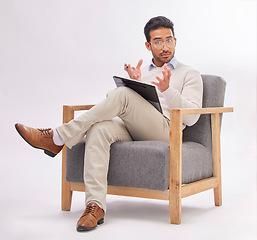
x=161, y=54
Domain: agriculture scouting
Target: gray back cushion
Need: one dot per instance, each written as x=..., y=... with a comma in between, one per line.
x=213, y=96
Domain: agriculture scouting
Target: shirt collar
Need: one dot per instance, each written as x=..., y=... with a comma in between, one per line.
x=173, y=62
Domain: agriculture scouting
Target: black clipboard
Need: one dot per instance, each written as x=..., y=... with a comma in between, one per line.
x=147, y=91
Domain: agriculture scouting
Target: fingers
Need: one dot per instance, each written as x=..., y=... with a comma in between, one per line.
x=128, y=66
x=157, y=83
x=159, y=79
x=140, y=62
x=134, y=73
x=165, y=67
x=166, y=72
x=163, y=83
x=129, y=69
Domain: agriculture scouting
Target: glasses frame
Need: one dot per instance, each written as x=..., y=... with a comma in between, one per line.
x=157, y=47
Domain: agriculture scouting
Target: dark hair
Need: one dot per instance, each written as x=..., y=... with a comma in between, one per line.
x=155, y=23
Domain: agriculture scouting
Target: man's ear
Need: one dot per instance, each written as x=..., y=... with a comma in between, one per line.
x=148, y=46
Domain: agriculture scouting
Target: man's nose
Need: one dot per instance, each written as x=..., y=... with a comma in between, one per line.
x=165, y=47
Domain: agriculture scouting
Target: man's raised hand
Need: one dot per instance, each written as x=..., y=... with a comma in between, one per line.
x=164, y=82
x=134, y=73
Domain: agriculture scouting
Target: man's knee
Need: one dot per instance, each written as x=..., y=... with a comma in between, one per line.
x=99, y=129
x=109, y=131
x=121, y=92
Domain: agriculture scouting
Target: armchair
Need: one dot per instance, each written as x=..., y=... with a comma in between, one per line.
x=170, y=170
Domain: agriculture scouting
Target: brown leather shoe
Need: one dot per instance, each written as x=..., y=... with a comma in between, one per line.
x=92, y=216
x=39, y=138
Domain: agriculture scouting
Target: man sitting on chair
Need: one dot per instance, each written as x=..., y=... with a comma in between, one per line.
x=178, y=86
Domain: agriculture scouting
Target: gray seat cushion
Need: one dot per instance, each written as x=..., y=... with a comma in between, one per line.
x=144, y=164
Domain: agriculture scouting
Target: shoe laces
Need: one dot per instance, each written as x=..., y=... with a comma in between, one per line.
x=44, y=131
x=90, y=209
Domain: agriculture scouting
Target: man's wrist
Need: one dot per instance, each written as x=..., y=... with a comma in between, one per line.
x=165, y=89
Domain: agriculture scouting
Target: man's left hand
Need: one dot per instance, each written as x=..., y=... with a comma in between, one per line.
x=163, y=83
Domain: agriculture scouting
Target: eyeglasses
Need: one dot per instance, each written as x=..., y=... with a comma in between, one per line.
x=159, y=44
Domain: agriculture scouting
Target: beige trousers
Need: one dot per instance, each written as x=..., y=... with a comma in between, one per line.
x=141, y=121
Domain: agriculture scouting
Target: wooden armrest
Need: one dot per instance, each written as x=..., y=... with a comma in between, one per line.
x=176, y=117
x=79, y=107
x=68, y=111
x=187, y=111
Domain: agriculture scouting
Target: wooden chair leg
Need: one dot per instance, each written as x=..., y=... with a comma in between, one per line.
x=66, y=196
x=175, y=173
x=66, y=192
x=68, y=115
x=217, y=196
x=175, y=208
x=216, y=157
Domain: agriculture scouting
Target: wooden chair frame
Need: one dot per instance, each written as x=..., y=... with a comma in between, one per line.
x=176, y=191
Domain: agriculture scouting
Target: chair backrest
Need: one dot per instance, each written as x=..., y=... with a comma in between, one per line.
x=213, y=96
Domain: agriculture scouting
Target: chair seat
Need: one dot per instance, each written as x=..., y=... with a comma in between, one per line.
x=143, y=164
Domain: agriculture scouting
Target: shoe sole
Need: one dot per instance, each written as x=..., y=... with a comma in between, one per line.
x=101, y=221
x=51, y=154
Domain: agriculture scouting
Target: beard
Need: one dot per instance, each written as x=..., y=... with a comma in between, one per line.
x=164, y=56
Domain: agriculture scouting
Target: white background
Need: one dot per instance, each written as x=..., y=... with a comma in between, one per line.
x=65, y=52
